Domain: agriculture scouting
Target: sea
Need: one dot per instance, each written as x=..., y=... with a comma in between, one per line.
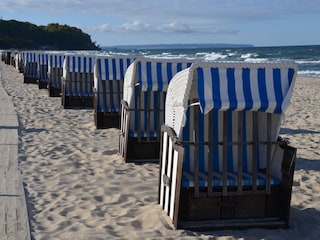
x=306, y=57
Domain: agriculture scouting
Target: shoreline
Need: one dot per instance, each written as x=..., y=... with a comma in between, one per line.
x=79, y=187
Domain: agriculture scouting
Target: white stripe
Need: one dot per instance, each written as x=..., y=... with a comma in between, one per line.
x=270, y=90
x=255, y=89
x=173, y=183
x=170, y=159
x=208, y=93
x=224, y=89
x=164, y=154
x=241, y=103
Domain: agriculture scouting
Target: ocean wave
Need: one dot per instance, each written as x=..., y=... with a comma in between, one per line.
x=309, y=73
x=307, y=61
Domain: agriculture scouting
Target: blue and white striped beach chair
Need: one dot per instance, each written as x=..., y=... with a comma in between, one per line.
x=142, y=113
x=55, y=72
x=77, y=81
x=30, y=71
x=43, y=70
x=109, y=74
x=223, y=164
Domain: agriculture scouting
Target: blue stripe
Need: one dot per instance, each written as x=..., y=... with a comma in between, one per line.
x=139, y=77
x=247, y=88
x=90, y=65
x=215, y=78
x=201, y=89
x=262, y=89
x=277, y=89
x=169, y=72
x=290, y=75
x=179, y=67
x=114, y=69
x=149, y=76
x=121, y=69
x=159, y=76
x=232, y=89
x=106, y=66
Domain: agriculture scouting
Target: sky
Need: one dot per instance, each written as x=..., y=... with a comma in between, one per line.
x=135, y=22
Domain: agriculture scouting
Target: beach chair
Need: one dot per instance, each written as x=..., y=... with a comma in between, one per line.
x=55, y=72
x=223, y=165
x=30, y=71
x=19, y=57
x=77, y=81
x=43, y=70
x=142, y=107
x=109, y=74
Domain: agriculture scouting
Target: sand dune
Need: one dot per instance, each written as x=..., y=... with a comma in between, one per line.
x=78, y=187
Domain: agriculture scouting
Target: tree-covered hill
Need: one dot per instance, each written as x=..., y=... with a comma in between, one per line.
x=25, y=35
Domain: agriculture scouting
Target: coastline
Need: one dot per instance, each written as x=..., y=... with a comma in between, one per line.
x=79, y=187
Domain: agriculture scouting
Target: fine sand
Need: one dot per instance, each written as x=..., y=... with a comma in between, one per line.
x=78, y=187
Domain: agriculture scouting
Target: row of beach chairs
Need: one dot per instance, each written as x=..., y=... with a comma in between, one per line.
x=212, y=126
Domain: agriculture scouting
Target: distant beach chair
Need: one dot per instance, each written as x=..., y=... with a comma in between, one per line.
x=30, y=71
x=55, y=72
x=77, y=81
x=223, y=165
x=142, y=108
x=109, y=74
x=19, y=57
x=43, y=70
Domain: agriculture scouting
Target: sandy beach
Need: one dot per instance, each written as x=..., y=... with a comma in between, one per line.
x=78, y=187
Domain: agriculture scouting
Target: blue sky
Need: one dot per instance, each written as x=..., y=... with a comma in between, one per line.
x=125, y=22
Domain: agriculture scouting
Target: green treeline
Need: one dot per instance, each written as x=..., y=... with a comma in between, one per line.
x=25, y=35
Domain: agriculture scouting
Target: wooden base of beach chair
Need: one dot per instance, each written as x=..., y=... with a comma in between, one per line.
x=143, y=150
x=42, y=84
x=30, y=80
x=231, y=212
x=54, y=92
x=248, y=209
x=106, y=120
x=76, y=102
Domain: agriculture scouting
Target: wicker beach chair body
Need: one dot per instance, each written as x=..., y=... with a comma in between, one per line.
x=109, y=74
x=222, y=162
x=55, y=72
x=142, y=108
x=43, y=70
x=77, y=81
x=30, y=71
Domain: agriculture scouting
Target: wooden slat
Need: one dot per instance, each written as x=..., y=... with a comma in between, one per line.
x=254, y=150
x=210, y=153
x=269, y=147
x=240, y=151
x=225, y=154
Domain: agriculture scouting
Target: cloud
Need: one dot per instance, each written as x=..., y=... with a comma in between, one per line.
x=172, y=27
